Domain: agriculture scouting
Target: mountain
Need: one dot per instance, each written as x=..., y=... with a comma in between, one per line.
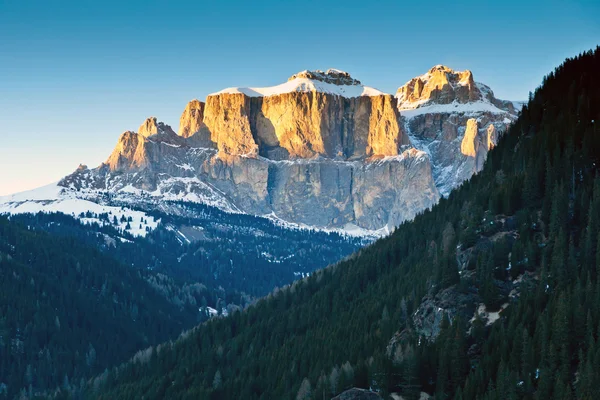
x=455, y=120
x=492, y=294
x=320, y=150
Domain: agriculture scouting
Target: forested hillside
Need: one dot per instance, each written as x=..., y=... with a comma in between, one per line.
x=76, y=299
x=229, y=254
x=518, y=243
x=67, y=311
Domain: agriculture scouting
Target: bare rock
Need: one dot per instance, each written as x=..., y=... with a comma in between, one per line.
x=492, y=137
x=441, y=85
x=449, y=302
x=151, y=127
x=470, y=143
x=227, y=119
x=333, y=76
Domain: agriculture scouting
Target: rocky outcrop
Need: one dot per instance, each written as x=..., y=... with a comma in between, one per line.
x=441, y=85
x=470, y=143
x=449, y=303
x=492, y=137
x=132, y=152
x=151, y=127
x=191, y=121
x=333, y=76
x=128, y=153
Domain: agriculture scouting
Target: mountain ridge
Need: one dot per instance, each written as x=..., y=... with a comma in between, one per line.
x=365, y=162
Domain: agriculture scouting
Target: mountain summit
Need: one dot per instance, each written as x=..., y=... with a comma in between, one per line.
x=443, y=85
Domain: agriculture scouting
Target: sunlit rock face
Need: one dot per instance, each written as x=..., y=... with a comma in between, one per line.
x=326, y=114
x=321, y=149
x=455, y=120
x=151, y=127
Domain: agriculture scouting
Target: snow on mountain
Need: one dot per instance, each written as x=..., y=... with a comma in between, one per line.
x=455, y=107
x=319, y=151
x=332, y=81
x=56, y=199
x=446, y=112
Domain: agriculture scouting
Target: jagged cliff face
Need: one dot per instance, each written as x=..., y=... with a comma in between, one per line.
x=304, y=125
x=325, y=114
x=441, y=85
x=317, y=192
x=455, y=120
x=151, y=127
x=321, y=149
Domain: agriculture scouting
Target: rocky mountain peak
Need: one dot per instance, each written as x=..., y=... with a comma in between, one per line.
x=151, y=127
x=191, y=118
x=333, y=76
x=440, y=85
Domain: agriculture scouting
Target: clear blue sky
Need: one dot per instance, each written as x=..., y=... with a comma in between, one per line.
x=76, y=74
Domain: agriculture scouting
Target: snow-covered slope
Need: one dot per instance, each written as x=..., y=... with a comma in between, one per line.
x=332, y=81
x=304, y=85
x=57, y=199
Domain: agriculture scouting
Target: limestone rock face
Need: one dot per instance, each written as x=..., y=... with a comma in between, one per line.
x=321, y=193
x=226, y=117
x=470, y=143
x=151, y=127
x=492, y=137
x=191, y=121
x=441, y=85
x=305, y=120
x=305, y=125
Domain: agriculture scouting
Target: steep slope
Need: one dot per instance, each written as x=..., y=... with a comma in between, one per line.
x=530, y=215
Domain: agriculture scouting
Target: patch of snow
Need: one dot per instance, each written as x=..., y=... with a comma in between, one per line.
x=350, y=230
x=48, y=192
x=489, y=316
x=212, y=311
x=418, y=155
x=55, y=199
x=186, y=167
x=454, y=107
